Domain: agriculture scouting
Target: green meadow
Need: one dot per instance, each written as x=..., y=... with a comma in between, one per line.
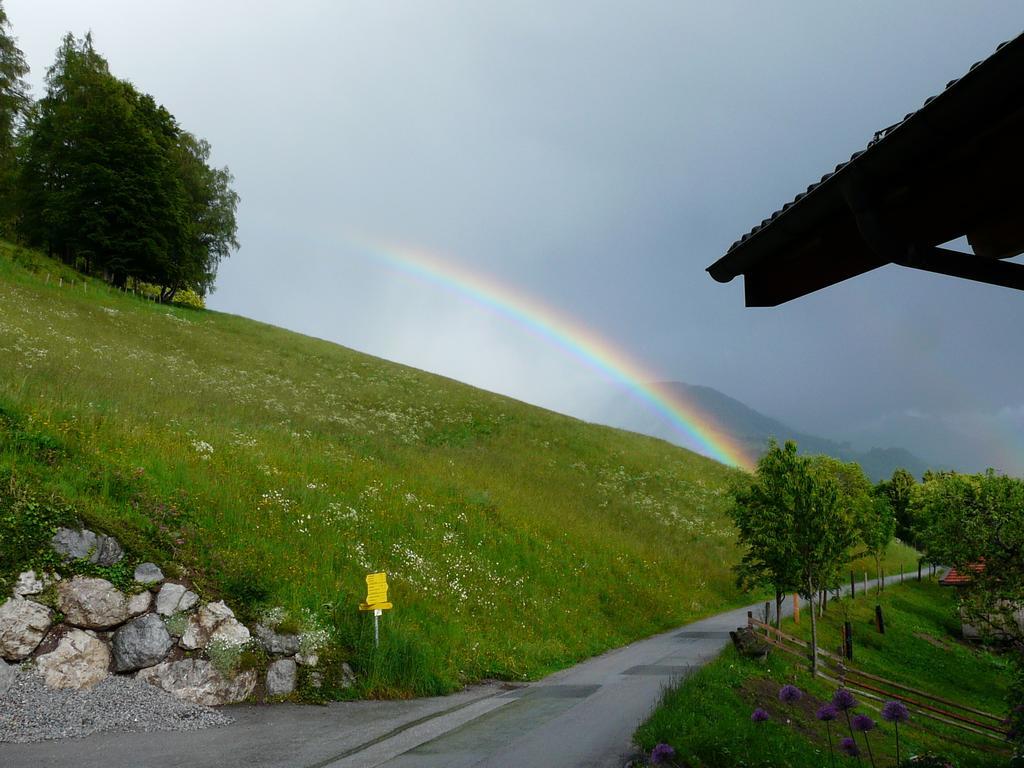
x=707, y=718
x=273, y=469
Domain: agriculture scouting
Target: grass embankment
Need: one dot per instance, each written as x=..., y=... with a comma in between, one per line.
x=278, y=469
x=707, y=718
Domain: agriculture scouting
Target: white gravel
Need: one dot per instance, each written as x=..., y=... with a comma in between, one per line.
x=30, y=711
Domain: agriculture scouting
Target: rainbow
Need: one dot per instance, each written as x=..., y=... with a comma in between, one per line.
x=570, y=335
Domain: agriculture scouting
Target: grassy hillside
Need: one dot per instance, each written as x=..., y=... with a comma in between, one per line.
x=708, y=720
x=278, y=469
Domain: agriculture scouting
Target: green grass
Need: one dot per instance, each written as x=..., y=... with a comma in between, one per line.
x=707, y=718
x=271, y=468
x=274, y=468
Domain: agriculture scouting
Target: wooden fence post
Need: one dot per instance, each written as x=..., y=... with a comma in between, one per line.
x=918, y=570
x=796, y=608
x=853, y=586
x=879, y=620
x=848, y=639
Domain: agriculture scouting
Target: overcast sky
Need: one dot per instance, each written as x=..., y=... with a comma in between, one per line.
x=598, y=156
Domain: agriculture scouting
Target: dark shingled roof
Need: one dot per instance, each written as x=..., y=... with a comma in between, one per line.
x=944, y=117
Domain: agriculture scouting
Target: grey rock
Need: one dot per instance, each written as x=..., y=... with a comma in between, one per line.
x=78, y=545
x=175, y=598
x=281, y=677
x=748, y=644
x=348, y=677
x=31, y=712
x=28, y=584
x=142, y=642
x=91, y=603
x=284, y=645
x=214, y=623
x=108, y=550
x=75, y=545
x=168, y=597
x=148, y=573
x=22, y=627
x=188, y=601
x=139, y=604
x=198, y=681
x=7, y=674
x=310, y=659
x=80, y=661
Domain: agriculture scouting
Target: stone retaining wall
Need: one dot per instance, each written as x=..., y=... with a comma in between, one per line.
x=77, y=631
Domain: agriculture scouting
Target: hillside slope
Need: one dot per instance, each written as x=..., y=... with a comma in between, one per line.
x=280, y=469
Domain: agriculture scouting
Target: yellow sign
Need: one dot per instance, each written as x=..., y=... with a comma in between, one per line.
x=376, y=593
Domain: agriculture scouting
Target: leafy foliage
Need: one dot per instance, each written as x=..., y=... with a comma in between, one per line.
x=971, y=519
x=796, y=521
x=14, y=104
x=27, y=523
x=966, y=520
x=899, y=489
x=109, y=181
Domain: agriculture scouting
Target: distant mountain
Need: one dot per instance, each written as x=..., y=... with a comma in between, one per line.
x=753, y=430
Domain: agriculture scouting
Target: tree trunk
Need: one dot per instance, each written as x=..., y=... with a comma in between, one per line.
x=814, y=629
x=779, y=597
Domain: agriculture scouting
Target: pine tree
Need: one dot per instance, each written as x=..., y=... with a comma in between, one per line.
x=14, y=104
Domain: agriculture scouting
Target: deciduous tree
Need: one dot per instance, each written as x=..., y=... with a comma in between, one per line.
x=810, y=530
x=967, y=520
x=899, y=490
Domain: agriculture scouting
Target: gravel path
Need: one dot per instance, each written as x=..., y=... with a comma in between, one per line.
x=30, y=711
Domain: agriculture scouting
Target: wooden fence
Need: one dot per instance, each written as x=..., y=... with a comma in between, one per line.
x=837, y=671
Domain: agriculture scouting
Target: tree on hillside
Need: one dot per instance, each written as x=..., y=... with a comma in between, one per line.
x=876, y=525
x=111, y=183
x=98, y=186
x=811, y=526
x=966, y=520
x=14, y=105
x=970, y=519
x=853, y=484
x=762, y=512
x=209, y=230
x=899, y=489
x=855, y=498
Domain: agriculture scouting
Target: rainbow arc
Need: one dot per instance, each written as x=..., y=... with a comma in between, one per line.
x=576, y=339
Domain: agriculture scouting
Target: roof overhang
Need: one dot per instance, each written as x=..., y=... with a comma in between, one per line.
x=954, y=167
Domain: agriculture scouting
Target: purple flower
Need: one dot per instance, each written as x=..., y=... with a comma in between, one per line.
x=790, y=694
x=759, y=715
x=843, y=700
x=827, y=712
x=662, y=754
x=849, y=747
x=862, y=723
x=895, y=712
